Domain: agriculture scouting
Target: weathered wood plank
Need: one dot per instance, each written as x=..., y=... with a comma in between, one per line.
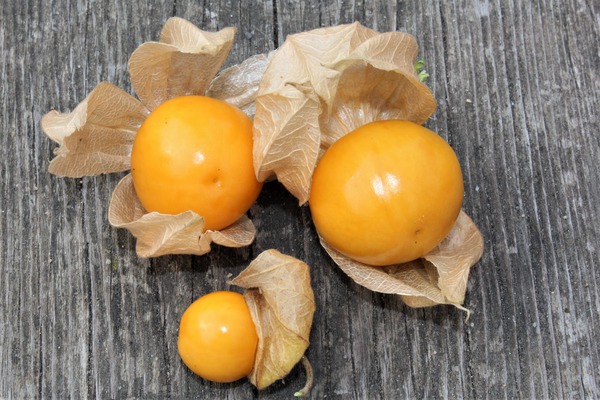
x=82, y=316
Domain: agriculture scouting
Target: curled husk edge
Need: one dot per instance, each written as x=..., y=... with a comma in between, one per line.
x=440, y=277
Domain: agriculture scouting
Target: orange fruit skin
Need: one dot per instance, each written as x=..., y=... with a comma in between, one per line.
x=217, y=337
x=195, y=153
x=386, y=193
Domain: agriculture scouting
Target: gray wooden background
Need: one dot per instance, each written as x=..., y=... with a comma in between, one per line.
x=518, y=98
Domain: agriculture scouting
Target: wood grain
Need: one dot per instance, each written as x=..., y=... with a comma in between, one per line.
x=518, y=97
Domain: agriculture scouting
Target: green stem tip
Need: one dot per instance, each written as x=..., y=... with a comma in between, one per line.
x=421, y=72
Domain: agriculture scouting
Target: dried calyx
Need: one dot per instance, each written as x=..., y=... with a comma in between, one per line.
x=282, y=304
x=97, y=137
x=321, y=85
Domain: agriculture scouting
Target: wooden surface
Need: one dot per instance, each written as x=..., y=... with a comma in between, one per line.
x=518, y=98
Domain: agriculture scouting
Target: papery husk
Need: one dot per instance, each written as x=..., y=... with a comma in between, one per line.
x=454, y=257
x=159, y=234
x=97, y=137
x=323, y=84
x=282, y=304
x=440, y=277
x=184, y=62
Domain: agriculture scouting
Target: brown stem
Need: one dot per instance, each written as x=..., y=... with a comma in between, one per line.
x=309, y=378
